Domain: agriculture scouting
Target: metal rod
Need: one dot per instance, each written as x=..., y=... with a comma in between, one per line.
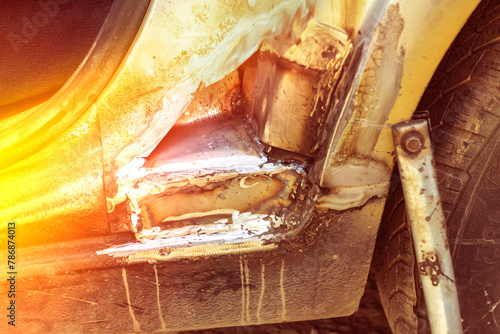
x=428, y=225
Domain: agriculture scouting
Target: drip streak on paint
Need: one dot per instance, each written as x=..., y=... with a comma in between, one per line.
x=282, y=289
x=262, y=289
x=137, y=326
x=160, y=315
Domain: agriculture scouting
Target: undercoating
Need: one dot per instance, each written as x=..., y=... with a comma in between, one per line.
x=301, y=280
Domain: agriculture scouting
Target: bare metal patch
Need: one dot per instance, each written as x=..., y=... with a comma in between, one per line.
x=349, y=171
x=381, y=82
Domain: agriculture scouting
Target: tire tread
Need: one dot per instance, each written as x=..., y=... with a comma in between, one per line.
x=463, y=102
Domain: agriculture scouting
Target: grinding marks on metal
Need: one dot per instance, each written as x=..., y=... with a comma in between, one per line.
x=428, y=224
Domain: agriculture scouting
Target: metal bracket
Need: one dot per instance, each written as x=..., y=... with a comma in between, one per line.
x=428, y=225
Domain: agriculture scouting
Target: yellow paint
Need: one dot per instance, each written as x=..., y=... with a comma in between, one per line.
x=429, y=28
x=347, y=14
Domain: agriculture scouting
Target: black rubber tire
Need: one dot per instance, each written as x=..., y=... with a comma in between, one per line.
x=464, y=108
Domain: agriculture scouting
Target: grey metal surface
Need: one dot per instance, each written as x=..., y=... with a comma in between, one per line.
x=428, y=225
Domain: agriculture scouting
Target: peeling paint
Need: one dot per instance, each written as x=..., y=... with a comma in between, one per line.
x=157, y=252
x=238, y=44
x=245, y=228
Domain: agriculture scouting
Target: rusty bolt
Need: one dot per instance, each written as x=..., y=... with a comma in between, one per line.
x=432, y=257
x=413, y=143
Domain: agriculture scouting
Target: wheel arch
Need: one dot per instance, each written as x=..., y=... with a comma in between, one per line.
x=397, y=46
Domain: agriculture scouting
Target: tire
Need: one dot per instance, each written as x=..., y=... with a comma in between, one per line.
x=464, y=108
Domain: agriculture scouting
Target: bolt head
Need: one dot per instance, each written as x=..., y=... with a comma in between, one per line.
x=413, y=143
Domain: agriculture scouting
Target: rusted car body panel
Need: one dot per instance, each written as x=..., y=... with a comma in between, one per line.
x=71, y=167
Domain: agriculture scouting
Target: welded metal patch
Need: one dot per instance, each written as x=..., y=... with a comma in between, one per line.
x=290, y=95
x=369, y=89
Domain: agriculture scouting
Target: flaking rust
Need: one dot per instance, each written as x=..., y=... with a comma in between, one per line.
x=430, y=266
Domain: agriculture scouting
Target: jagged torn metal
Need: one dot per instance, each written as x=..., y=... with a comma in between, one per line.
x=241, y=228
